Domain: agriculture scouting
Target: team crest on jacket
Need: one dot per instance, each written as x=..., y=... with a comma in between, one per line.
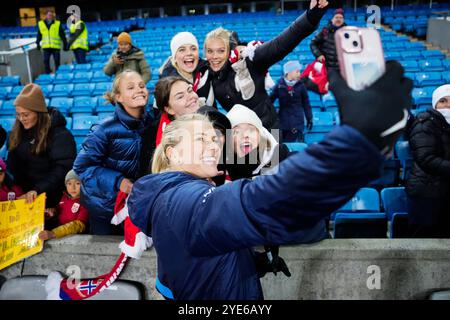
x=75, y=207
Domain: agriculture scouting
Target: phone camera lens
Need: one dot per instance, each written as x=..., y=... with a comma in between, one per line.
x=355, y=43
x=346, y=35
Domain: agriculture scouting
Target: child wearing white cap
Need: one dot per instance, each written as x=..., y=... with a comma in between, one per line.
x=254, y=147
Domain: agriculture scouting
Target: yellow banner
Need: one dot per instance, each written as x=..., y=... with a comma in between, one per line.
x=20, y=224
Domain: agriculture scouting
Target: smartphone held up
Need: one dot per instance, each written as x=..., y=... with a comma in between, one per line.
x=360, y=55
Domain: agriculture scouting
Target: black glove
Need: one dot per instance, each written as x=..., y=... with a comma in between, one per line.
x=264, y=264
x=309, y=125
x=66, y=47
x=38, y=46
x=315, y=14
x=379, y=112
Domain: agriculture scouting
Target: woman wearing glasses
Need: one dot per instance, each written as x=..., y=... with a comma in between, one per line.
x=41, y=149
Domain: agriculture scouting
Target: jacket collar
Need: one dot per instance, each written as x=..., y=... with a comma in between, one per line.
x=129, y=121
x=223, y=72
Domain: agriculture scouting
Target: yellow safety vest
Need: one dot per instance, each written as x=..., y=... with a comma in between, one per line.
x=82, y=41
x=50, y=38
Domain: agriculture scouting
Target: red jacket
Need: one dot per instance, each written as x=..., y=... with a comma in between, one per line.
x=70, y=209
x=4, y=190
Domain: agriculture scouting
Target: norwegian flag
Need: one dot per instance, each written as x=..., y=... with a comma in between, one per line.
x=135, y=243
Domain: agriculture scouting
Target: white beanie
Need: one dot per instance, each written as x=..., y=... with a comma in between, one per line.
x=439, y=93
x=181, y=39
x=241, y=114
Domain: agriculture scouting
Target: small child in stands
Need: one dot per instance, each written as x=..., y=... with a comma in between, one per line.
x=8, y=190
x=71, y=215
x=294, y=103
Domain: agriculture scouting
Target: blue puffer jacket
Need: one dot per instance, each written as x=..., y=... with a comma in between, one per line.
x=110, y=153
x=203, y=234
x=294, y=105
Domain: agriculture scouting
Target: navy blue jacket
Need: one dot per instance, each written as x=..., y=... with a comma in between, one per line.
x=203, y=234
x=110, y=153
x=294, y=105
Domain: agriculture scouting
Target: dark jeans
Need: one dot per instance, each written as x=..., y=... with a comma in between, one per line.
x=80, y=56
x=56, y=57
x=293, y=135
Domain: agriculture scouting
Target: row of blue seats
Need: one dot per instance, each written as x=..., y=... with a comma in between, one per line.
x=61, y=90
x=83, y=104
x=73, y=78
x=412, y=65
x=362, y=216
x=9, y=81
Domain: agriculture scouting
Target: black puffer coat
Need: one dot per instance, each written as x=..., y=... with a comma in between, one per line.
x=430, y=145
x=45, y=172
x=323, y=44
x=264, y=57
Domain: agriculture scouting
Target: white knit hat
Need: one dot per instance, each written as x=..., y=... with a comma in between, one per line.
x=439, y=93
x=181, y=39
x=241, y=114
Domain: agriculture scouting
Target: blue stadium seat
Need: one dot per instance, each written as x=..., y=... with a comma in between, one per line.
x=14, y=92
x=79, y=139
x=433, y=54
x=8, y=109
x=360, y=225
x=446, y=64
x=314, y=137
x=82, y=67
x=62, y=104
x=82, y=77
x=82, y=124
x=446, y=76
x=97, y=66
x=44, y=79
x=4, y=91
x=395, y=205
x=7, y=122
x=83, y=89
x=296, y=146
x=101, y=88
x=403, y=153
x=65, y=68
x=104, y=105
x=47, y=89
x=410, y=65
x=314, y=99
x=61, y=90
x=323, y=121
x=8, y=81
x=329, y=101
x=394, y=55
x=84, y=105
x=431, y=65
x=422, y=96
x=429, y=79
x=410, y=55
x=62, y=78
x=365, y=200
x=100, y=76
